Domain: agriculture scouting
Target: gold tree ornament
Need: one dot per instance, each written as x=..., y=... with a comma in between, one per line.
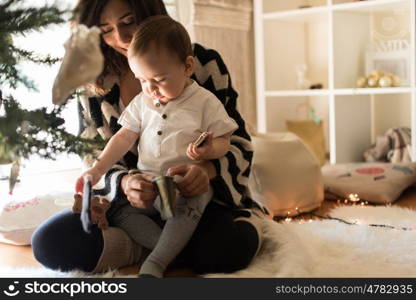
x=385, y=81
x=378, y=79
x=14, y=174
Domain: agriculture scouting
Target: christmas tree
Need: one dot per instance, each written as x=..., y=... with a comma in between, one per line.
x=26, y=132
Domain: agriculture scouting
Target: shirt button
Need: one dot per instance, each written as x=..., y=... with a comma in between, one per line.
x=157, y=104
x=164, y=116
x=159, y=132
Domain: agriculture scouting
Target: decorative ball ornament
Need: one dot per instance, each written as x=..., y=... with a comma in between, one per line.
x=385, y=81
x=372, y=81
x=361, y=82
x=378, y=79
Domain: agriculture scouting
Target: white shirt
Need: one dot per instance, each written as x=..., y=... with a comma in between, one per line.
x=167, y=130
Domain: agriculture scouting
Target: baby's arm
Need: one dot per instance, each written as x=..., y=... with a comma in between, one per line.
x=212, y=148
x=115, y=149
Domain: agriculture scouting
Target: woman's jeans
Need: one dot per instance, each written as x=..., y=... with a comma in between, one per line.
x=218, y=245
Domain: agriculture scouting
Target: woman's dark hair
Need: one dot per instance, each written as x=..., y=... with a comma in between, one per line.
x=88, y=12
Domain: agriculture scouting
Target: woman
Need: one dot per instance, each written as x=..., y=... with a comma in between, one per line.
x=227, y=237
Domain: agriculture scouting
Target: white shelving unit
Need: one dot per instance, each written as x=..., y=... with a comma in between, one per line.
x=331, y=38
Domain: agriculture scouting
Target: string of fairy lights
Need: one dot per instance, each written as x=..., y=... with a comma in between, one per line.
x=352, y=199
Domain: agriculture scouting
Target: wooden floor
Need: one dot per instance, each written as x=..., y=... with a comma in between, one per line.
x=21, y=256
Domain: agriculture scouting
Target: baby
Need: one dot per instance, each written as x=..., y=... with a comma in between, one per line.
x=168, y=115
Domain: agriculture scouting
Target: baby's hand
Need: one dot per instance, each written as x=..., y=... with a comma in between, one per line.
x=202, y=152
x=94, y=176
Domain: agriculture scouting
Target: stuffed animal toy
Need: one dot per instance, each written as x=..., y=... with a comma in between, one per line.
x=98, y=210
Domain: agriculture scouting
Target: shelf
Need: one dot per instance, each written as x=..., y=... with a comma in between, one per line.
x=269, y=6
x=306, y=13
x=352, y=91
x=297, y=93
x=373, y=91
x=288, y=40
x=335, y=42
x=369, y=5
x=354, y=47
x=299, y=15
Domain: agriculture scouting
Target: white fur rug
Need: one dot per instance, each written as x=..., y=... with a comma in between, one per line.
x=334, y=249
x=32, y=272
x=318, y=248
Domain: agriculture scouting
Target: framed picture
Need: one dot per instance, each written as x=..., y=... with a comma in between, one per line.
x=396, y=62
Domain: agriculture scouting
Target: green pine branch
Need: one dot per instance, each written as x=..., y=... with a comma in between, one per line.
x=14, y=21
x=33, y=57
x=41, y=132
x=24, y=20
x=27, y=132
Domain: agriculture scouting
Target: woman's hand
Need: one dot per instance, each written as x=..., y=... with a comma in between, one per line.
x=195, y=179
x=139, y=190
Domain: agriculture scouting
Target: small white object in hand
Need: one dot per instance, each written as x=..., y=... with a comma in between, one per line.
x=82, y=63
x=177, y=178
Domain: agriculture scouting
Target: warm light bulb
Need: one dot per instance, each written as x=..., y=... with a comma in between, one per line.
x=353, y=197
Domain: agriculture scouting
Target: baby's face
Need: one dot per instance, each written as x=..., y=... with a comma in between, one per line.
x=162, y=75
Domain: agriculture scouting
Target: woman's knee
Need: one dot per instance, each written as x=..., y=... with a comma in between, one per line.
x=227, y=253
x=222, y=244
x=60, y=243
x=246, y=246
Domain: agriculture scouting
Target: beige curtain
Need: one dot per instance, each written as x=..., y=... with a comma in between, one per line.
x=226, y=26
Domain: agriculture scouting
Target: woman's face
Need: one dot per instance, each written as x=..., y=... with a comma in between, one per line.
x=117, y=24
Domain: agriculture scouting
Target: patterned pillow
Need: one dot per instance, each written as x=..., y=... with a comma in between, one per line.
x=374, y=182
x=20, y=217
